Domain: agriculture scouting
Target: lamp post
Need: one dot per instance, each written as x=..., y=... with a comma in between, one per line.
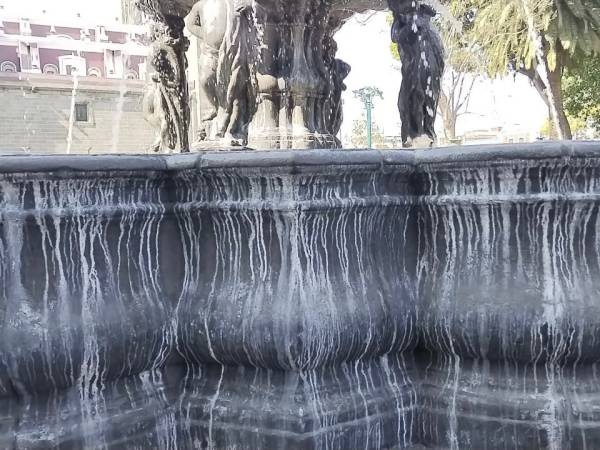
x=366, y=95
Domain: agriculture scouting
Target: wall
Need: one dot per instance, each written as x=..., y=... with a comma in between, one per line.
x=35, y=115
x=9, y=53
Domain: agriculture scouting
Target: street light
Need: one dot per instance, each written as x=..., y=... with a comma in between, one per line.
x=366, y=95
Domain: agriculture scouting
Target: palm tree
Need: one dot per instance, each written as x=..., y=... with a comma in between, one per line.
x=538, y=38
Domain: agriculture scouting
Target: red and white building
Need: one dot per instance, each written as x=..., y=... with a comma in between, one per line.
x=42, y=46
x=71, y=85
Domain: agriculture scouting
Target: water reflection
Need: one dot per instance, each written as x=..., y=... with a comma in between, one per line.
x=358, y=405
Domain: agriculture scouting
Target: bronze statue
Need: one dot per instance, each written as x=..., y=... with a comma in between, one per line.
x=422, y=56
x=227, y=65
x=155, y=114
x=236, y=78
x=338, y=71
x=209, y=21
x=169, y=63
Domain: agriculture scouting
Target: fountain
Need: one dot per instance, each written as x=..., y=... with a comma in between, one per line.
x=309, y=299
x=306, y=299
x=270, y=76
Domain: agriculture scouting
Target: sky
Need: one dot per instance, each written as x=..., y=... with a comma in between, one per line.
x=364, y=43
x=97, y=10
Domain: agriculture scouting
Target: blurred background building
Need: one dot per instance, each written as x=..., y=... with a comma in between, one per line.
x=72, y=84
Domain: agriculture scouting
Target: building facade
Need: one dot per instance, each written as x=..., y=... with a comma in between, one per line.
x=74, y=87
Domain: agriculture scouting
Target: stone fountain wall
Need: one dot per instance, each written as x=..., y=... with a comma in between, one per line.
x=322, y=299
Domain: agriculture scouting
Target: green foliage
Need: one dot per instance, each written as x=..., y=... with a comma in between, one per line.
x=576, y=24
x=394, y=51
x=500, y=30
x=359, y=134
x=461, y=53
x=548, y=129
x=538, y=38
x=581, y=90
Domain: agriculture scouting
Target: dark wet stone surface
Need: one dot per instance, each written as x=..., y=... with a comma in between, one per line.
x=325, y=300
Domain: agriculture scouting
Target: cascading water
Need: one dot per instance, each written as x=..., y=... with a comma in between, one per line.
x=527, y=231
x=72, y=112
x=319, y=299
x=116, y=129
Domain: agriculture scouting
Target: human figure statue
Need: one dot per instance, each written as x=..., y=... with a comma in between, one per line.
x=227, y=64
x=237, y=84
x=342, y=70
x=165, y=104
x=209, y=21
x=154, y=113
x=422, y=56
x=338, y=71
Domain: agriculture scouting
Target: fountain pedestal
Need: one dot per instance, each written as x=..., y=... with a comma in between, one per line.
x=299, y=78
x=269, y=73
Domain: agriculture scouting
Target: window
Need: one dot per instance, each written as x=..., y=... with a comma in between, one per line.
x=94, y=72
x=81, y=112
x=72, y=65
x=113, y=63
x=101, y=35
x=8, y=66
x=51, y=69
x=29, y=57
x=84, y=34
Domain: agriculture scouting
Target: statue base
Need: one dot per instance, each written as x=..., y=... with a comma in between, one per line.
x=217, y=145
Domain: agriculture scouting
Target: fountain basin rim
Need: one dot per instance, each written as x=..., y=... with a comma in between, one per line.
x=499, y=152
x=296, y=159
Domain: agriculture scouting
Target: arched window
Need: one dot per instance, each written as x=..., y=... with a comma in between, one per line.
x=72, y=65
x=8, y=66
x=131, y=75
x=51, y=69
x=94, y=72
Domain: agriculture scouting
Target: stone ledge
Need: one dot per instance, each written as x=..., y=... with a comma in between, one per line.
x=299, y=158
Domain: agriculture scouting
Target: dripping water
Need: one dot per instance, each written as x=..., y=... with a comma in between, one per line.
x=118, y=117
x=72, y=111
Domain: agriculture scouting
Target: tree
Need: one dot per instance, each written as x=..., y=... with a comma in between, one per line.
x=578, y=127
x=581, y=90
x=538, y=38
x=454, y=99
x=359, y=134
x=463, y=67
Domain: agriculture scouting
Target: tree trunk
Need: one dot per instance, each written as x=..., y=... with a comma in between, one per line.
x=561, y=122
x=538, y=84
x=551, y=79
x=449, y=116
x=450, y=127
